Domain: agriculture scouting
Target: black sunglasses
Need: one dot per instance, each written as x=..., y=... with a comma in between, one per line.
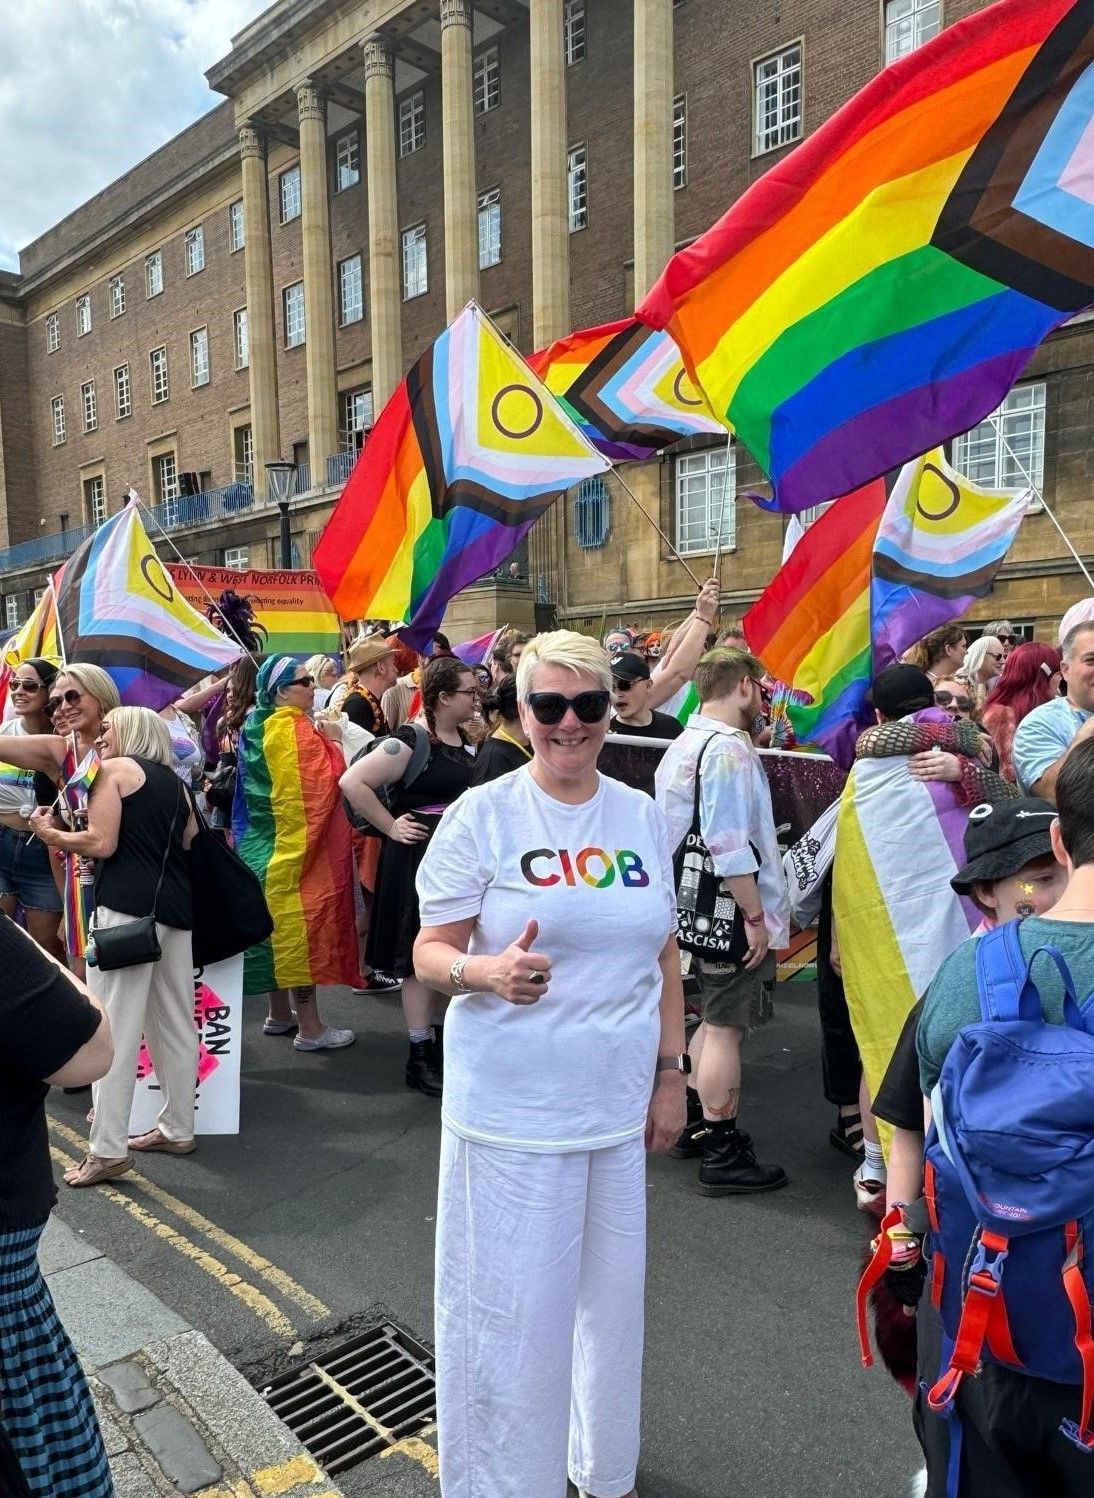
x=947, y=699
x=72, y=696
x=302, y=681
x=550, y=708
x=19, y=685
x=1005, y=639
x=620, y=685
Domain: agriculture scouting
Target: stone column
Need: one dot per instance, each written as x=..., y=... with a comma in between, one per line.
x=262, y=338
x=461, y=234
x=384, y=272
x=550, y=209
x=654, y=234
x=318, y=302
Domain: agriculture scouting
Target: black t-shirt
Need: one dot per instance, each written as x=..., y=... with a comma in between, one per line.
x=44, y=1020
x=662, y=727
x=497, y=757
x=361, y=707
x=899, y=1099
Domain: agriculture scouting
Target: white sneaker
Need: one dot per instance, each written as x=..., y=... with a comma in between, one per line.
x=330, y=1040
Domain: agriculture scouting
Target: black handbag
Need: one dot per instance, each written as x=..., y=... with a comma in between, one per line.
x=135, y=943
x=230, y=910
x=709, y=923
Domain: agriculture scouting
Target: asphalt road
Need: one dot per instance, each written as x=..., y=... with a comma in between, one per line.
x=753, y=1383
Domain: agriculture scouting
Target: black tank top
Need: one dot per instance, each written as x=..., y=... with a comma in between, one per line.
x=151, y=816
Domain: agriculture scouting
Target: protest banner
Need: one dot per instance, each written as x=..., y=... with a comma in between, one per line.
x=292, y=607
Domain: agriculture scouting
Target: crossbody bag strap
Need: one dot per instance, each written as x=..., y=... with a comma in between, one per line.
x=167, y=845
x=696, y=820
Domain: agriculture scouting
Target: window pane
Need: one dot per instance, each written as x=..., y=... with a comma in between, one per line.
x=487, y=81
x=235, y=226
x=57, y=416
x=91, y=412
x=411, y=124
x=123, y=403
x=289, y=192
x=573, y=28
x=53, y=333
x=705, y=491
x=679, y=142
x=117, y=296
x=1007, y=451
x=195, y=251
x=489, y=228
x=293, y=300
x=157, y=361
x=351, y=307
x=578, y=188
x=347, y=172
x=415, y=262
x=908, y=24
x=153, y=273
x=242, y=342
x=199, y=357
x=778, y=99
x=83, y=315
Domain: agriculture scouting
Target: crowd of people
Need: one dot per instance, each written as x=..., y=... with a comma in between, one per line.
x=454, y=841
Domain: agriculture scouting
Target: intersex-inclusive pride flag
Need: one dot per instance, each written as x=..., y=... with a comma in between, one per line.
x=468, y=453
x=881, y=288
x=298, y=617
x=874, y=574
x=626, y=387
x=116, y=607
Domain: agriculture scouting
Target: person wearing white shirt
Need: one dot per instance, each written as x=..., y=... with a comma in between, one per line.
x=738, y=828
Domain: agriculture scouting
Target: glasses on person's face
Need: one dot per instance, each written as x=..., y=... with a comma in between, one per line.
x=619, y=685
x=23, y=684
x=302, y=681
x=68, y=699
x=995, y=655
x=464, y=692
x=959, y=704
x=550, y=708
x=1006, y=639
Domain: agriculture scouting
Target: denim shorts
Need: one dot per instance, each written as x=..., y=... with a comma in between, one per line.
x=735, y=996
x=25, y=871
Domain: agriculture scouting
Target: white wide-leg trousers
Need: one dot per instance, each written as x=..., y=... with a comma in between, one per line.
x=541, y=1262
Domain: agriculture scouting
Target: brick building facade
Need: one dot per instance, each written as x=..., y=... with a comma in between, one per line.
x=172, y=333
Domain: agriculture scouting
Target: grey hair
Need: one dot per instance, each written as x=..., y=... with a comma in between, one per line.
x=1067, y=646
x=566, y=648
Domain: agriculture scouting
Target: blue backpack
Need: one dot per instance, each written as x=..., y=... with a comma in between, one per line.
x=1009, y=1182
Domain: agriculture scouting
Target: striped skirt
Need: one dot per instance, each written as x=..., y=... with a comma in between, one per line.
x=45, y=1403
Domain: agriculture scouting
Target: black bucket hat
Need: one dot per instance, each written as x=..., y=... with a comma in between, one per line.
x=1000, y=840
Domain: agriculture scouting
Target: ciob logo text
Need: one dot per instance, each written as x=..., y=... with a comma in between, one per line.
x=594, y=866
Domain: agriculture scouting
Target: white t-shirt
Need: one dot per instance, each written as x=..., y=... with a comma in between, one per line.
x=575, y=1070
x=16, y=786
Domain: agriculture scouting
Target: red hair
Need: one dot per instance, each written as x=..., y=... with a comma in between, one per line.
x=406, y=660
x=1025, y=680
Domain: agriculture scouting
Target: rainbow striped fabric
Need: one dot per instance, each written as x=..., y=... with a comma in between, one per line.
x=292, y=608
x=468, y=453
x=290, y=828
x=882, y=287
x=626, y=387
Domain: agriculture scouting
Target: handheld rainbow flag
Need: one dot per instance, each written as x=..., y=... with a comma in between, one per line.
x=626, y=387
x=465, y=457
x=881, y=289
x=476, y=652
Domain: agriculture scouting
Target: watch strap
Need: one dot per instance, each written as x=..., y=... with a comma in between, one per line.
x=681, y=1064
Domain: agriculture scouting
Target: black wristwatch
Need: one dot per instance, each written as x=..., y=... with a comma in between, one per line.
x=680, y=1063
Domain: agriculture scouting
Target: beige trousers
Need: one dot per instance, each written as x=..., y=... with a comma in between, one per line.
x=155, y=1001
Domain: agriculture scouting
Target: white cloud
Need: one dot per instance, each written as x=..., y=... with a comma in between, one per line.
x=90, y=87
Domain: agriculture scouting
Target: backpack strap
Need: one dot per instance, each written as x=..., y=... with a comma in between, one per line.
x=1001, y=973
x=874, y=1271
x=983, y=1319
x=1076, y=1292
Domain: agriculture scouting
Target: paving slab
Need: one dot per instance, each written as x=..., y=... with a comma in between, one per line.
x=107, y=1313
x=130, y=1386
x=178, y=1449
x=61, y=1248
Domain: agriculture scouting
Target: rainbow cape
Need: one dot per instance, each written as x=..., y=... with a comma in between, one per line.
x=881, y=288
x=467, y=454
x=290, y=828
x=625, y=386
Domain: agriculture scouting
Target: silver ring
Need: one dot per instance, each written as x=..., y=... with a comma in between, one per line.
x=536, y=977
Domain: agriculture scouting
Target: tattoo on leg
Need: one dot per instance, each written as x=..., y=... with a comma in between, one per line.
x=728, y=1109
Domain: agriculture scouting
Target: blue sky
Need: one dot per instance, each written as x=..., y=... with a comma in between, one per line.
x=90, y=87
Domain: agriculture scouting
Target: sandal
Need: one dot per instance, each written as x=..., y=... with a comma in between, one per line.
x=91, y=1170
x=155, y=1143
x=847, y=1136
x=279, y=1027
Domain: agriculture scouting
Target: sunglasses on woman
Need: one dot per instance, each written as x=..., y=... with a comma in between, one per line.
x=550, y=708
x=71, y=697
x=302, y=681
x=947, y=699
x=19, y=685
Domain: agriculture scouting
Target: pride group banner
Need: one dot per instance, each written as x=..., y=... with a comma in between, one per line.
x=292, y=606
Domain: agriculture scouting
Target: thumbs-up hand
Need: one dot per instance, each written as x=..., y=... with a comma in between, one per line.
x=520, y=974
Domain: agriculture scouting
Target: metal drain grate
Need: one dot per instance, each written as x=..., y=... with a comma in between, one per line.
x=359, y=1398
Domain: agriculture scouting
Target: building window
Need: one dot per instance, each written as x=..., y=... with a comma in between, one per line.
x=95, y=500
x=236, y=557
x=411, y=123
x=777, y=90
x=706, y=488
x=577, y=186
x=236, y=236
x=1007, y=451
x=195, y=251
x=199, y=357
x=153, y=273
x=11, y=610
x=165, y=476
x=157, y=371
x=908, y=24
x=292, y=302
x=83, y=315
x=117, y=296
x=347, y=158
x=415, y=262
x=243, y=451
x=90, y=405
x=288, y=192
x=356, y=418
x=489, y=227
x=592, y=514
x=487, y=80
x=242, y=338
x=123, y=395
x=573, y=31
x=57, y=415
x=351, y=297
x=53, y=333
x=680, y=141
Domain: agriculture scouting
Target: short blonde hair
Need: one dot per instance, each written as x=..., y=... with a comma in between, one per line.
x=96, y=683
x=566, y=648
x=315, y=665
x=141, y=732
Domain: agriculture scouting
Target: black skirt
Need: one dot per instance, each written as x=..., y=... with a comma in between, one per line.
x=395, y=918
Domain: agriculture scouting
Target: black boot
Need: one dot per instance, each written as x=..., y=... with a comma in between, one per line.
x=689, y=1146
x=729, y=1165
x=421, y=1069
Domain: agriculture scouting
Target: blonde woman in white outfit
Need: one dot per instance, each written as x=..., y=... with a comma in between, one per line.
x=548, y=912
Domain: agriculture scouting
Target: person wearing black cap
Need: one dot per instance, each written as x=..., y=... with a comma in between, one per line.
x=632, y=687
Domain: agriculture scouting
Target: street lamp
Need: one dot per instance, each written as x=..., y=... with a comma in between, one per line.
x=279, y=477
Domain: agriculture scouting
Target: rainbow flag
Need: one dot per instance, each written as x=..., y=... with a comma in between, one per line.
x=465, y=457
x=298, y=617
x=881, y=288
x=290, y=829
x=625, y=386
x=476, y=652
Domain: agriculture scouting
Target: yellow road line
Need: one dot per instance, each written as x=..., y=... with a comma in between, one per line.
x=249, y=1294
x=273, y=1481
x=255, y=1262
x=416, y=1450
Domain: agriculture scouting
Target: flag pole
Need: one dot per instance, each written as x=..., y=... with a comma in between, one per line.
x=623, y=484
x=64, y=662
x=1035, y=491
x=716, y=569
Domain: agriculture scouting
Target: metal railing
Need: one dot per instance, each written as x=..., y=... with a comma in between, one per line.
x=302, y=481
x=339, y=467
x=196, y=509
x=52, y=548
